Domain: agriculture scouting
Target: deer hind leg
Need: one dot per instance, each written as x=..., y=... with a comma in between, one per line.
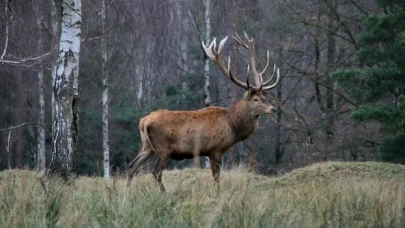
x=145, y=152
x=157, y=172
x=139, y=160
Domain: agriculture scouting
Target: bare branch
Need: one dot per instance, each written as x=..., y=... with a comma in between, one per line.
x=324, y=85
x=21, y=61
x=22, y=125
x=359, y=8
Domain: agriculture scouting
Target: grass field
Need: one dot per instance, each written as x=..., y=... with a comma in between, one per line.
x=323, y=195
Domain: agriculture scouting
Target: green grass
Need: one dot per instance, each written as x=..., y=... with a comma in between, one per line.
x=323, y=195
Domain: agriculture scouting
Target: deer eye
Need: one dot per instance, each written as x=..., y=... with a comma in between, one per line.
x=256, y=100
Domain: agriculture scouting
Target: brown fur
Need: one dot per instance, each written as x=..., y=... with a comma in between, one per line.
x=205, y=132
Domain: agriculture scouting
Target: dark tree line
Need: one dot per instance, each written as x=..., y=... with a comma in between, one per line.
x=151, y=52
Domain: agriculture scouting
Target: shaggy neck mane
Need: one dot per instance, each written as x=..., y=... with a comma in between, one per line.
x=241, y=120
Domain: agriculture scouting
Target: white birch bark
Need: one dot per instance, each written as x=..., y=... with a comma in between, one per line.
x=106, y=147
x=66, y=90
x=54, y=23
x=207, y=18
x=207, y=101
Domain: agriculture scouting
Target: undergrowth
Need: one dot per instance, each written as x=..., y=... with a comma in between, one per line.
x=322, y=195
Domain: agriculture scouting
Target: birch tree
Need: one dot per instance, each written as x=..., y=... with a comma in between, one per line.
x=208, y=100
x=106, y=147
x=207, y=18
x=65, y=106
x=54, y=30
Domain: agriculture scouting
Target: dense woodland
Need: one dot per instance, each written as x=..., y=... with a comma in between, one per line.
x=339, y=98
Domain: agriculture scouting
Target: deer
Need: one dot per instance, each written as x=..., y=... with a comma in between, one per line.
x=210, y=131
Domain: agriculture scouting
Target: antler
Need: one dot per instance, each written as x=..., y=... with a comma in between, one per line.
x=258, y=76
x=216, y=56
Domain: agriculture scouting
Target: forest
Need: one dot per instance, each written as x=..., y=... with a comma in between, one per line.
x=340, y=96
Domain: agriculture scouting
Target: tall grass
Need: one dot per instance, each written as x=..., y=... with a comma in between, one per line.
x=326, y=195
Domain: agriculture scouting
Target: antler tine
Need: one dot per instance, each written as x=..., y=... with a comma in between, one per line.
x=275, y=84
x=221, y=46
x=260, y=82
x=247, y=37
x=239, y=40
x=247, y=78
x=267, y=63
x=236, y=81
x=208, y=50
x=229, y=63
x=272, y=76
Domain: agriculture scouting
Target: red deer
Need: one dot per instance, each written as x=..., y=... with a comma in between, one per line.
x=209, y=131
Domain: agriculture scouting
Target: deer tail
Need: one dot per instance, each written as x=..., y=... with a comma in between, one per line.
x=145, y=134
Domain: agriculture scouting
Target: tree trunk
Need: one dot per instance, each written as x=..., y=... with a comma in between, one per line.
x=41, y=159
x=207, y=18
x=317, y=56
x=207, y=83
x=55, y=23
x=106, y=147
x=233, y=92
x=326, y=101
x=331, y=55
x=65, y=107
x=279, y=150
x=20, y=144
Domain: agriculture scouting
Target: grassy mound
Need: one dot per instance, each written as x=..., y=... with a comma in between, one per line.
x=342, y=170
x=327, y=194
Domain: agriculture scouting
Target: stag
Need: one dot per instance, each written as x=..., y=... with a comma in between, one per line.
x=209, y=131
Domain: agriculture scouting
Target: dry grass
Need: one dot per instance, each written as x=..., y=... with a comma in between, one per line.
x=322, y=195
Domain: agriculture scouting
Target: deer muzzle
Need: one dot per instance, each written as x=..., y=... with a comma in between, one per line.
x=271, y=110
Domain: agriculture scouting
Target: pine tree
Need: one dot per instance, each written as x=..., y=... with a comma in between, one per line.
x=378, y=84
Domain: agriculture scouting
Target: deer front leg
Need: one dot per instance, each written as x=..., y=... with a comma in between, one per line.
x=214, y=163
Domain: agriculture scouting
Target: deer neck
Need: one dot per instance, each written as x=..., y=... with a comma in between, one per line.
x=243, y=123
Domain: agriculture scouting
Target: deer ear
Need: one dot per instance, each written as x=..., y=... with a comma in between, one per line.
x=248, y=94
